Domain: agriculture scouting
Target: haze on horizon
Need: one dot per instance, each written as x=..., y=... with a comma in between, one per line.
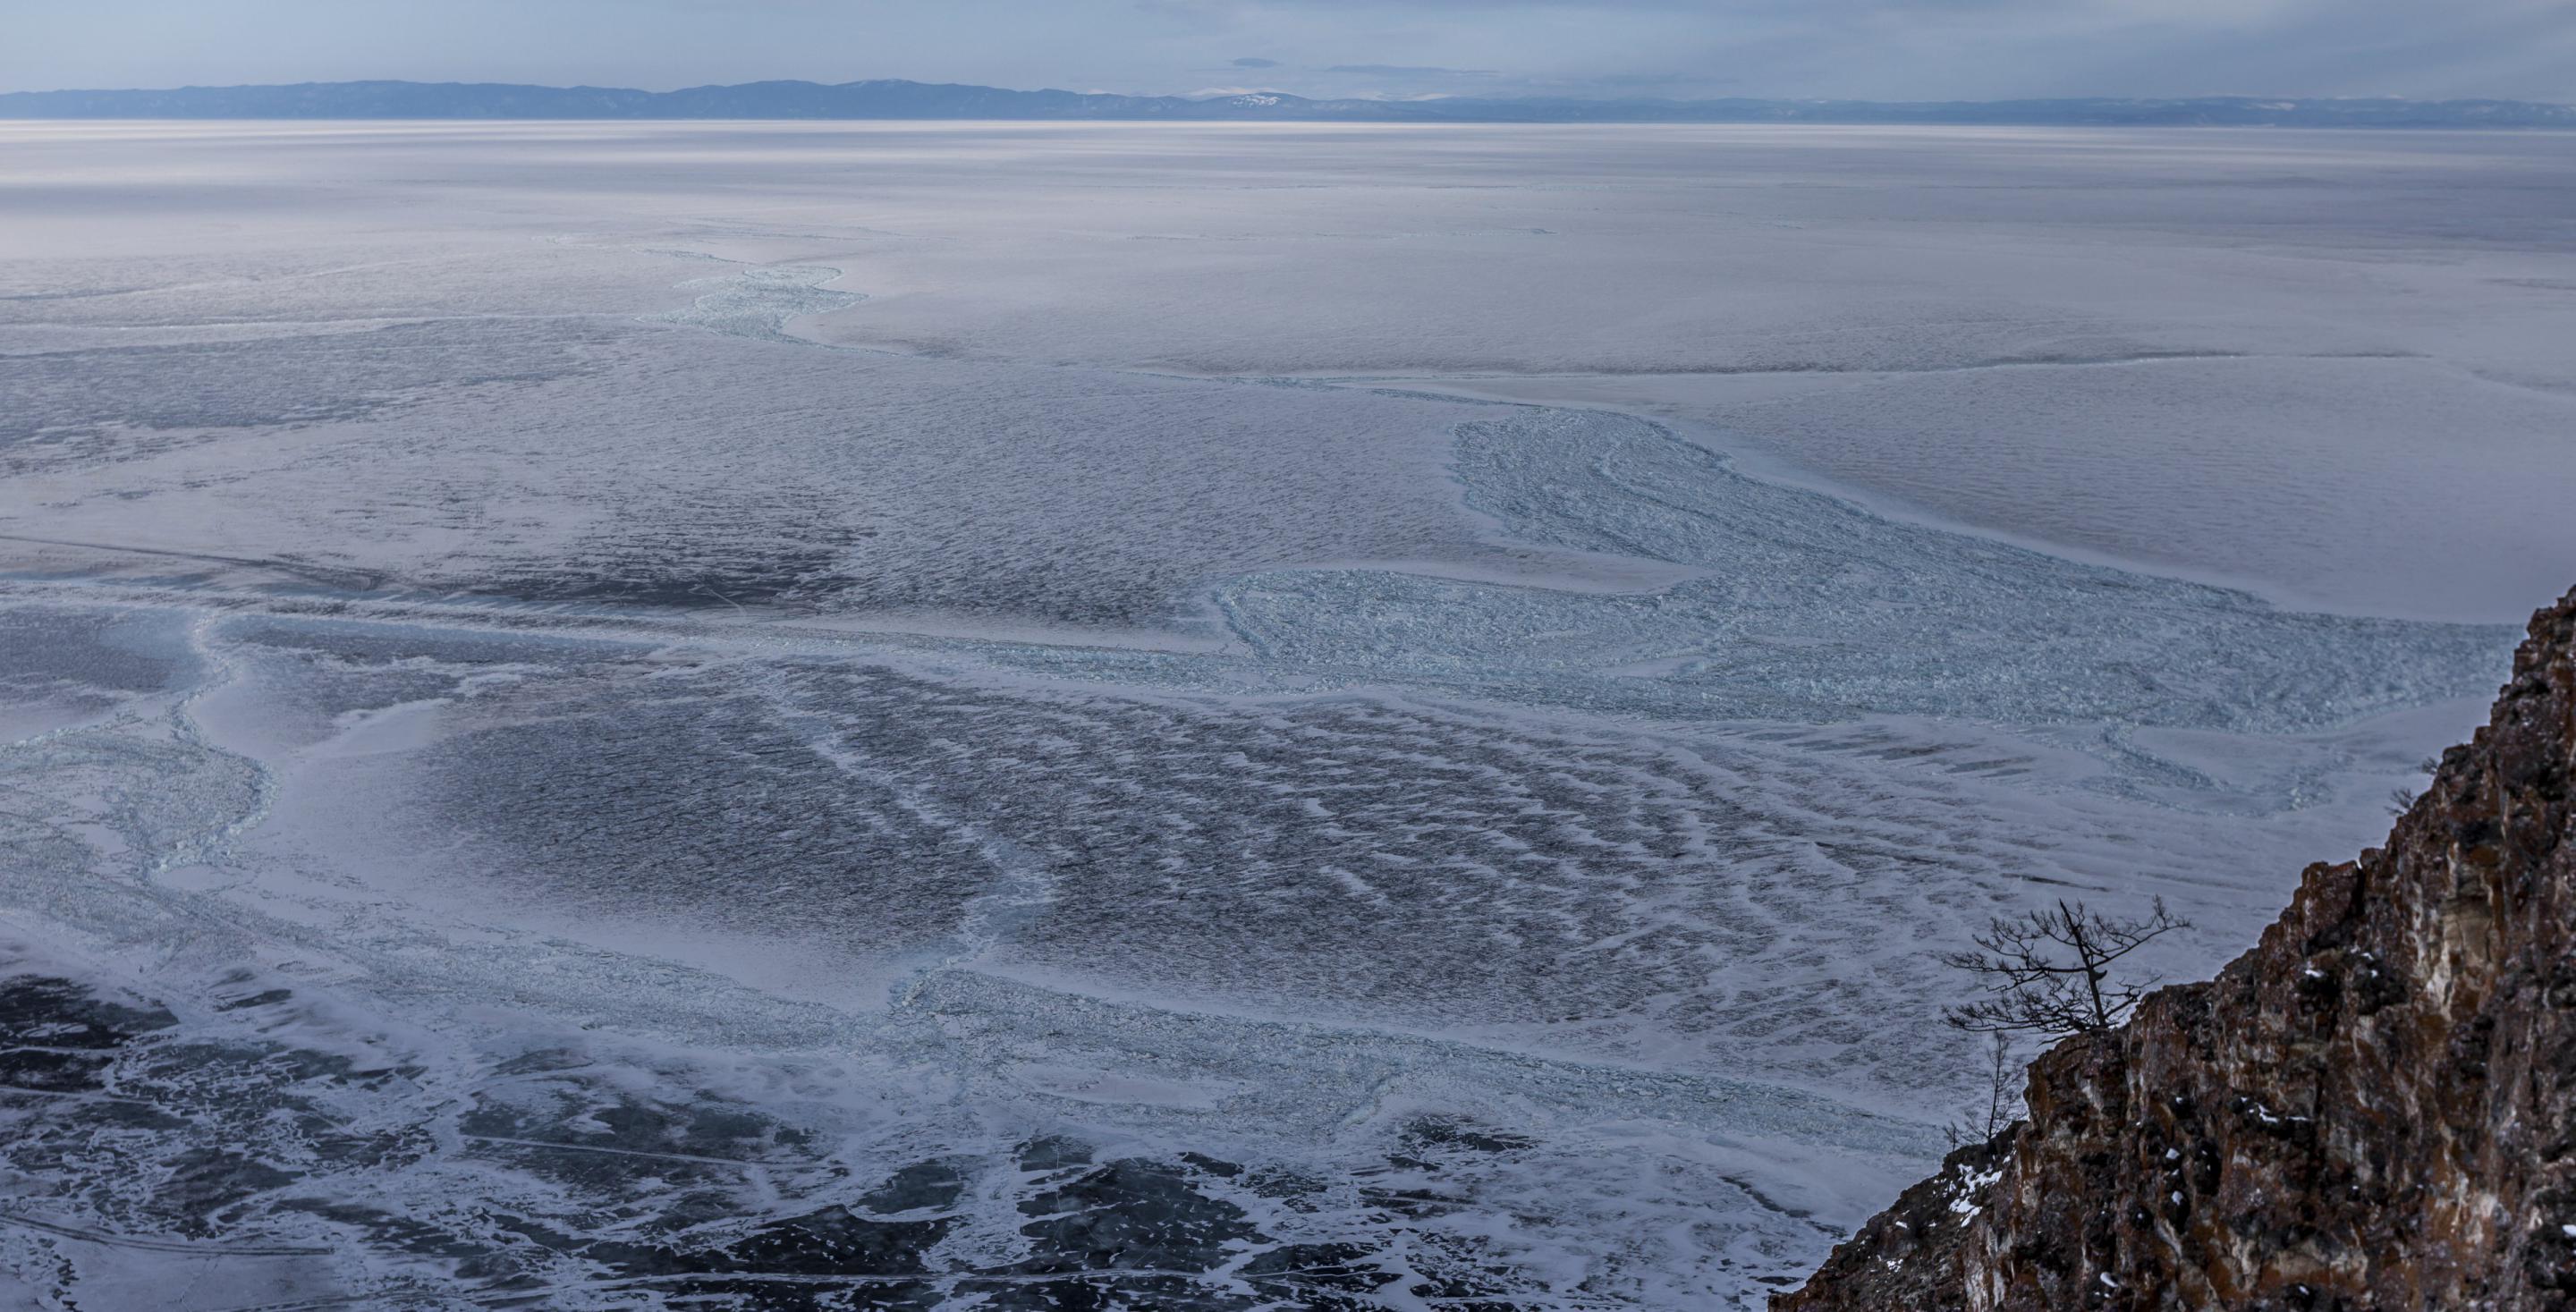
x=1684, y=49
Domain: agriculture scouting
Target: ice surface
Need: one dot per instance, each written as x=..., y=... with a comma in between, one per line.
x=2372, y=491
x=1025, y=716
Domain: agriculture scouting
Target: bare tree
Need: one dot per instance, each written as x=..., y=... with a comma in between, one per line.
x=2050, y=971
x=2003, y=1097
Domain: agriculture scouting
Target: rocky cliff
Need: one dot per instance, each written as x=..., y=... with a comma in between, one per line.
x=2375, y=1108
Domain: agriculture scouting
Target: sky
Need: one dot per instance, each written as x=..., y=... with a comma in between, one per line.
x=1864, y=49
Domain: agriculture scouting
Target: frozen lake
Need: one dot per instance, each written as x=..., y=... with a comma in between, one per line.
x=1225, y=716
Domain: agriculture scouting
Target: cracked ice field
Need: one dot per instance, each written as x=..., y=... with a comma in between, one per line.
x=1228, y=717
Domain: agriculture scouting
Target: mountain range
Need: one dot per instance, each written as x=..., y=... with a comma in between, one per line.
x=895, y=99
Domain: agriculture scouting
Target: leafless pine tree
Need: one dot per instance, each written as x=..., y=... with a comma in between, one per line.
x=2049, y=972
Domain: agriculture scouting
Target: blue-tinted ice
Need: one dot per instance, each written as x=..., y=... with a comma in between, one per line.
x=575, y=763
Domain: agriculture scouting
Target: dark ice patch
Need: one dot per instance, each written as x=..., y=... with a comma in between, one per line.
x=695, y=567
x=562, y=1174
x=58, y=399
x=59, y=1037
x=86, y=661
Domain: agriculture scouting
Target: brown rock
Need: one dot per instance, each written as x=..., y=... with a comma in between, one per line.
x=2375, y=1108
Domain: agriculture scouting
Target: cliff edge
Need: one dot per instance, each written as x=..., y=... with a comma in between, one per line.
x=2375, y=1108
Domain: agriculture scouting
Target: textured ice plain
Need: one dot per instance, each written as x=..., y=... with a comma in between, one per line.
x=2277, y=359
x=1481, y=1004
x=554, y=759
x=2282, y=360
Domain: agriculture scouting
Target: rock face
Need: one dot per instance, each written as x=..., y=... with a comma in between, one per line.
x=2375, y=1108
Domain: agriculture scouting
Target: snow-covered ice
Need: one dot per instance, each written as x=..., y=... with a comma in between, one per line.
x=1236, y=716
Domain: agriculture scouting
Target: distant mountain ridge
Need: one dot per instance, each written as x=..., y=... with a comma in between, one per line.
x=895, y=99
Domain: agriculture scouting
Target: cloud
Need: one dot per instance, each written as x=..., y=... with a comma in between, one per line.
x=1253, y=61
x=1410, y=70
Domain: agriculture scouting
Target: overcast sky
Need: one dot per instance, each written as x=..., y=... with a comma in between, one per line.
x=1874, y=49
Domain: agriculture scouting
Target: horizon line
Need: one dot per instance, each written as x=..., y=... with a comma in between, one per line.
x=1209, y=96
